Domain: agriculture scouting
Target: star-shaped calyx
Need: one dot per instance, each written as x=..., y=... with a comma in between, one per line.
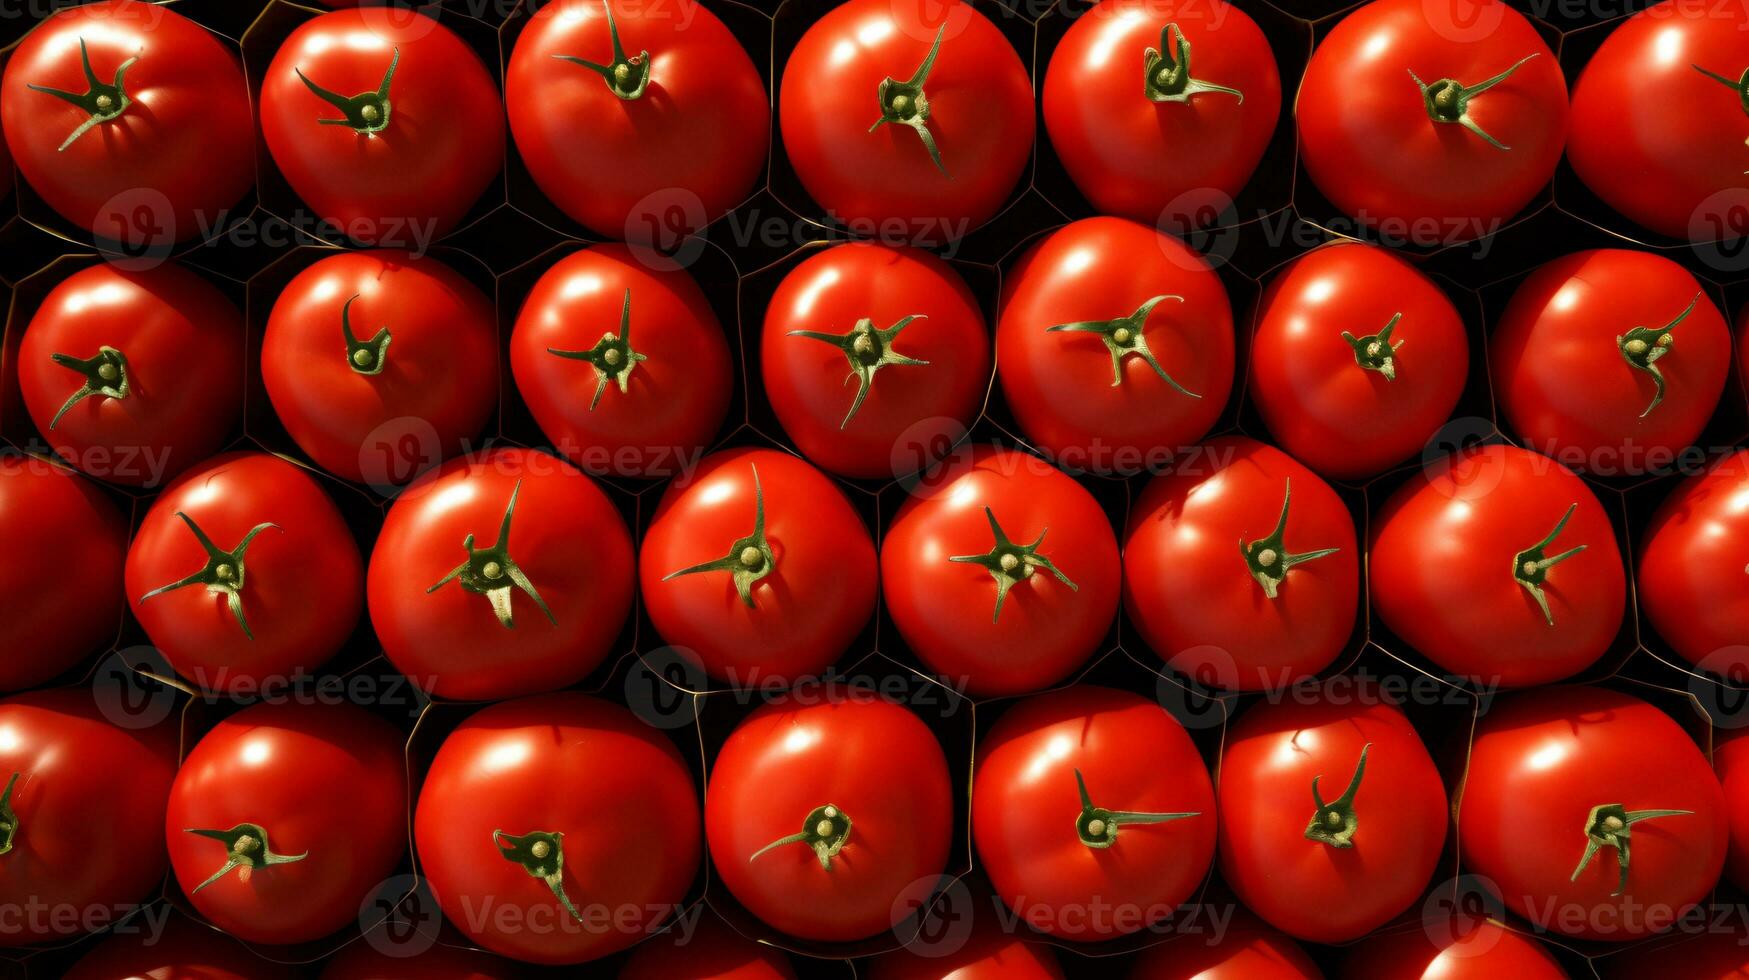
x=612, y=357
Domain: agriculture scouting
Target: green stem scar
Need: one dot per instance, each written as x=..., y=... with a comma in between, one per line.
x=1740, y=86
x=1610, y=825
x=367, y=112
x=1097, y=826
x=1268, y=558
x=1376, y=352
x=904, y=103
x=103, y=102
x=749, y=558
x=612, y=356
x=1166, y=77
x=364, y=357
x=868, y=350
x=1530, y=567
x=1123, y=336
x=1448, y=100
x=491, y=571
x=223, y=573
x=626, y=77
x=246, y=849
x=8, y=818
x=826, y=830
x=106, y=375
x=1011, y=564
x=542, y=855
x=1334, y=823
x=1642, y=346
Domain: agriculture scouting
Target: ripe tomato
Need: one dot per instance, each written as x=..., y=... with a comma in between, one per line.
x=1701, y=528
x=1065, y=757
x=47, y=510
x=130, y=120
x=244, y=571
x=1500, y=565
x=182, y=951
x=1482, y=951
x=951, y=107
x=1326, y=370
x=104, y=367
x=500, y=617
x=709, y=951
x=1086, y=378
x=350, y=399
x=363, y=961
x=1612, y=358
x=1122, y=95
x=987, y=953
x=623, y=364
x=822, y=764
x=757, y=568
x=1245, y=949
x=81, y=816
x=644, y=125
x=388, y=127
x=285, y=816
x=1415, y=121
x=524, y=815
x=1559, y=781
x=1257, y=617
x=1336, y=863
x=837, y=318
x=979, y=591
x=1731, y=764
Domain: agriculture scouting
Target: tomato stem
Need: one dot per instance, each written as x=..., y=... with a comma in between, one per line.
x=626, y=77
x=826, y=830
x=8, y=817
x=1530, y=567
x=491, y=571
x=103, y=102
x=1448, y=100
x=1610, y=825
x=1268, y=558
x=542, y=855
x=106, y=374
x=1375, y=352
x=367, y=112
x=868, y=350
x=364, y=357
x=1642, y=346
x=905, y=104
x=1741, y=85
x=246, y=848
x=223, y=573
x=1097, y=826
x=1166, y=77
x=1123, y=336
x=1334, y=822
x=612, y=357
x=1010, y=564
x=749, y=558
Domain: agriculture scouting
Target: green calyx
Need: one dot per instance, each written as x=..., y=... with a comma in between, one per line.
x=491, y=572
x=826, y=830
x=542, y=855
x=1097, y=826
x=246, y=851
x=8, y=817
x=1610, y=825
x=1268, y=558
x=102, y=101
x=1448, y=100
x=868, y=350
x=1166, y=77
x=364, y=357
x=367, y=112
x=1123, y=337
x=904, y=103
x=1642, y=346
x=749, y=558
x=1334, y=822
x=1740, y=86
x=106, y=375
x=612, y=356
x=1530, y=567
x=1376, y=352
x=223, y=573
x=626, y=77
x=1011, y=564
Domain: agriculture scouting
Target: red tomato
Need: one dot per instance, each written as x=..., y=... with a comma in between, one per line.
x=1612, y=359
x=987, y=953
x=951, y=110
x=757, y=568
x=388, y=127
x=368, y=353
x=1076, y=308
x=1701, y=530
x=47, y=510
x=471, y=614
x=105, y=368
x=362, y=961
x=1500, y=566
x=524, y=814
x=1245, y=949
x=820, y=765
x=1211, y=584
x=82, y=814
x=182, y=951
x=147, y=137
x=244, y=572
x=1731, y=764
x=1332, y=864
x=1432, y=120
x=1001, y=572
x=623, y=364
x=710, y=950
x=1717, y=953
x=1559, y=781
x=1123, y=94
x=842, y=316
x=1100, y=760
x=644, y=125
x=1485, y=951
x=1326, y=371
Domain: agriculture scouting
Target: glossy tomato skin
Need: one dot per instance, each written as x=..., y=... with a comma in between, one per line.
x=1370, y=146
x=1112, y=138
x=815, y=600
x=303, y=578
x=1188, y=588
x=1135, y=757
x=1483, y=950
x=988, y=953
x=567, y=538
x=1059, y=383
x=1702, y=527
x=650, y=169
x=1441, y=562
x=946, y=611
x=1245, y=950
x=868, y=757
x=363, y=961
x=1540, y=762
x=674, y=400
x=182, y=152
x=415, y=179
x=437, y=379
x=46, y=509
x=170, y=325
x=1564, y=383
x=1731, y=764
x=89, y=804
x=710, y=951
x=910, y=408
x=1313, y=889
x=980, y=116
x=564, y=764
x=183, y=949
x=1346, y=421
